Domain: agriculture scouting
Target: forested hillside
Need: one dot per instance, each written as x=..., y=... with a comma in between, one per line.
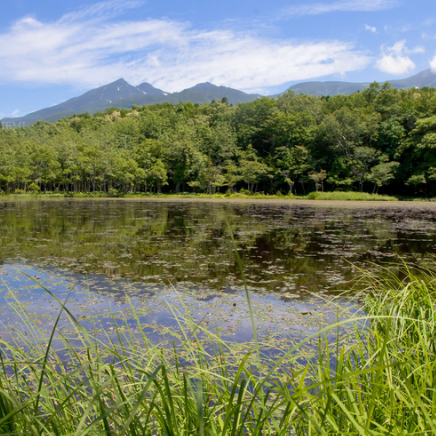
x=382, y=139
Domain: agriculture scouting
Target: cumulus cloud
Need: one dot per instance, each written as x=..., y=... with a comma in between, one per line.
x=370, y=28
x=395, y=60
x=88, y=48
x=340, y=6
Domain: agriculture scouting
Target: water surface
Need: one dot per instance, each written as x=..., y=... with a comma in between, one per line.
x=295, y=258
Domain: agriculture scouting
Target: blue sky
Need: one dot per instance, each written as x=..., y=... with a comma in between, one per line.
x=51, y=51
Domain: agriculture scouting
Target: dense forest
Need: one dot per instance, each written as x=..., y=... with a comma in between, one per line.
x=379, y=140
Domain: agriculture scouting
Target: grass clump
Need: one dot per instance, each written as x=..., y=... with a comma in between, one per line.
x=349, y=196
x=384, y=383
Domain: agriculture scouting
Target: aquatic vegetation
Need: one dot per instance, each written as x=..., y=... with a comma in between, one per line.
x=380, y=383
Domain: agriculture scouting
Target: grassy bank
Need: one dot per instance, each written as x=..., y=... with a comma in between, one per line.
x=334, y=196
x=384, y=383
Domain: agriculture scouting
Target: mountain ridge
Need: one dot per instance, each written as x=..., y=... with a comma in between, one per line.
x=122, y=95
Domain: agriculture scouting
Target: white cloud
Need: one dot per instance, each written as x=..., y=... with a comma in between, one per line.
x=87, y=49
x=417, y=49
x=427, y=36
x=395, y=60
x=433, y=64
x=15, y=112
x=370, y=28
x=341, y=5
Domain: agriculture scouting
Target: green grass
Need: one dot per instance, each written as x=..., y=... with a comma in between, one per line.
x=349, y=196
x=335, y=196
x=384, y=383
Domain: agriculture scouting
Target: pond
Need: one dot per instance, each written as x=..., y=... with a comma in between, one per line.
x=120, y=255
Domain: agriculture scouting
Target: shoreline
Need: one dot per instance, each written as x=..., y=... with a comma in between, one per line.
x=346, y=204
x=337, y=204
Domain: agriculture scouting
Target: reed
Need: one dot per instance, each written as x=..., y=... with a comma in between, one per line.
x=383, y=383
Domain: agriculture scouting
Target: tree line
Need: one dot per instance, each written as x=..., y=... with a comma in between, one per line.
x=379, y=140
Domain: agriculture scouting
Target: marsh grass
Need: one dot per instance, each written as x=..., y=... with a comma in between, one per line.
x=383, y=383
x=334, y=196
x=349, y=196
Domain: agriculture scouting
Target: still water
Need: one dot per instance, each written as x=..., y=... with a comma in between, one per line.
x=115, y=254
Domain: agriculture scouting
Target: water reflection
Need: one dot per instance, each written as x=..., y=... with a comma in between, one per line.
x=294, y=258
x=100, y=305
x=289, y=249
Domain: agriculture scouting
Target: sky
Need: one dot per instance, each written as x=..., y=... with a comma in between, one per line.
x=51, y=51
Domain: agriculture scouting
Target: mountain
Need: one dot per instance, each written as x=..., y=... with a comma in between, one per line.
x=148, y=89
x=107, y=95
x=123, y=96
x=327, y=88
x=213, y=92
x=424, y=78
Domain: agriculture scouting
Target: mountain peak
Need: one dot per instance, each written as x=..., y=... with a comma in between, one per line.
x=118, y=82
x=148, y=89
x=204, y=86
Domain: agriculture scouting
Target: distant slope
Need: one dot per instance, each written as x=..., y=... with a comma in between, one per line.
x=420, y=80
x=122, y=95
x=327, y=88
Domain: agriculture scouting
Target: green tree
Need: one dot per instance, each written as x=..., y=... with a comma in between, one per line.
x=158, y=175
x=294, y=163
x=252, y=169
x=44, y=164
x=382, y=174
x=318, y=179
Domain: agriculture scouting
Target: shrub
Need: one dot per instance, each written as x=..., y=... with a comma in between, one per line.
x=313, y=196
x=245, y=191
x=112, y=192
x=34, y=188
